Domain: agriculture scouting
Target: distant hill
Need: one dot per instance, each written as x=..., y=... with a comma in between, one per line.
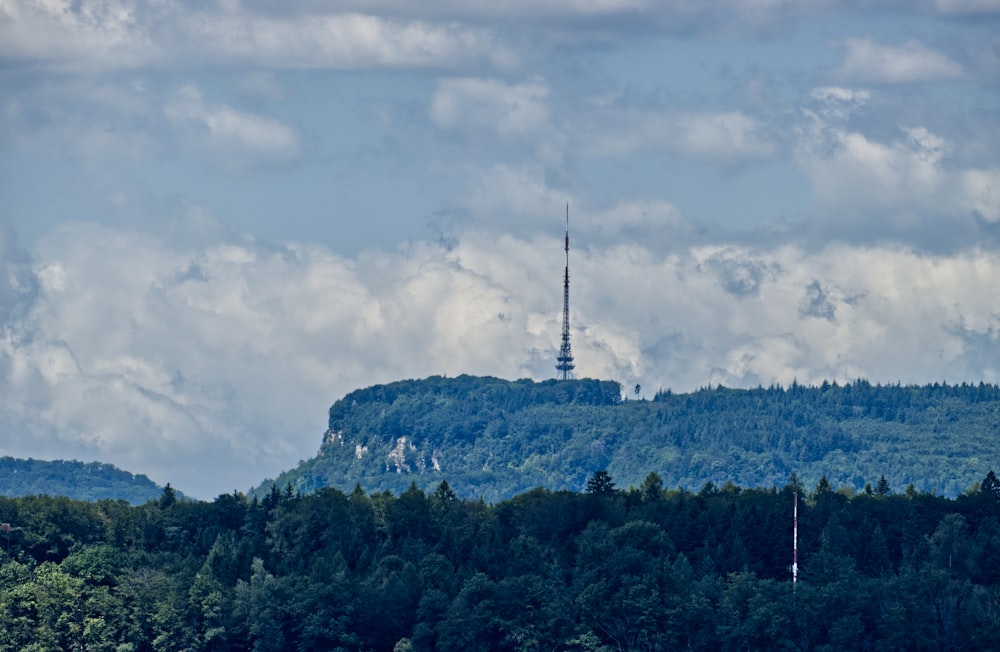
x=77, y=480
x=493, y=438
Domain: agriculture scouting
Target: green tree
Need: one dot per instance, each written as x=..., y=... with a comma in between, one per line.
x=652, y=488
x=259, y=607
x=600, y=483
x=46, y=611
x=990, y=486
x=823, y=488
x=209, y=603
x=472, y=622
x=168, y=497
x=443, y=497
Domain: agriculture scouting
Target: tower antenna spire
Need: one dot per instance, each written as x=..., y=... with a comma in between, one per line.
x=795, y=539
x=565, y=359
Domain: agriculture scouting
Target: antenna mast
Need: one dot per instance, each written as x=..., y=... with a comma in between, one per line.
x=565, y=359
x=795, y=539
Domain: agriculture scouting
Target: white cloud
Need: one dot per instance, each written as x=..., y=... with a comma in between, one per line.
x=353, y=35
x=519, y=200
x=512, y=196
x=729, y=137
x=863, y=177
x=723, y=136
x=212, y=366
x=645, y=218
x=121, y=34
x=599, y=18
x=87, y=119
x=344, y=41
x=515, y=9
x=866, y=61
x=967, y=6
x=734, y=315
x=836, y=103
x=982, y=192
x=73, y=34
x=230, y=133
x=490, y=105
x=908, y=185
x=261, y=84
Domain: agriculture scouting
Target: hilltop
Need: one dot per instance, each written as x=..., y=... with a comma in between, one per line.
x=73, y=479
x=493, y=438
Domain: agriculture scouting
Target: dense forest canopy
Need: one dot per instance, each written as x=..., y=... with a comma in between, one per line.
x=494, y=439
x=73, y=479
x=648, y=569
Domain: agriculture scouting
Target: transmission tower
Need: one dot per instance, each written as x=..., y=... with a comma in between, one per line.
x=565, y=359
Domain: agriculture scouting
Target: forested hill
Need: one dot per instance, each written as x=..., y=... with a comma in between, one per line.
x=494, y=438
x=77, y=480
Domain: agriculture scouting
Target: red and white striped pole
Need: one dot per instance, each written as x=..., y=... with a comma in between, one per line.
x=795, y=539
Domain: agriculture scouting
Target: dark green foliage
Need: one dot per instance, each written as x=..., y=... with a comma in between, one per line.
x=600, y=483
x=93, y=481
x=429, y=566
x=639, y=569
x=991, y=485
x=168, y=498
x=494, y=439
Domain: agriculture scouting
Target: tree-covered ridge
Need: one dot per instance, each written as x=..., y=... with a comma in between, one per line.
x=73, y=479
x=499, y=393
x=643, y=569
x=494, y=438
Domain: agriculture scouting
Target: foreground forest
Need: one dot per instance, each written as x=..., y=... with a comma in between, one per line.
x=494, y=438
x=644, y=569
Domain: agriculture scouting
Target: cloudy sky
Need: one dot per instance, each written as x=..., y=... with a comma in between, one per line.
x=216, y=218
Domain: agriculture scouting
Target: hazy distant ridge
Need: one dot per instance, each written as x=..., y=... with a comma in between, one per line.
x=73, y=479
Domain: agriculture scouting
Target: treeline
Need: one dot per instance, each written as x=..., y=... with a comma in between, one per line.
x=644, y=569
x=83, y=481
x=495, y=439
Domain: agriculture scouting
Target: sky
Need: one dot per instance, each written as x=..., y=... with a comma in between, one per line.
x=217, y=218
